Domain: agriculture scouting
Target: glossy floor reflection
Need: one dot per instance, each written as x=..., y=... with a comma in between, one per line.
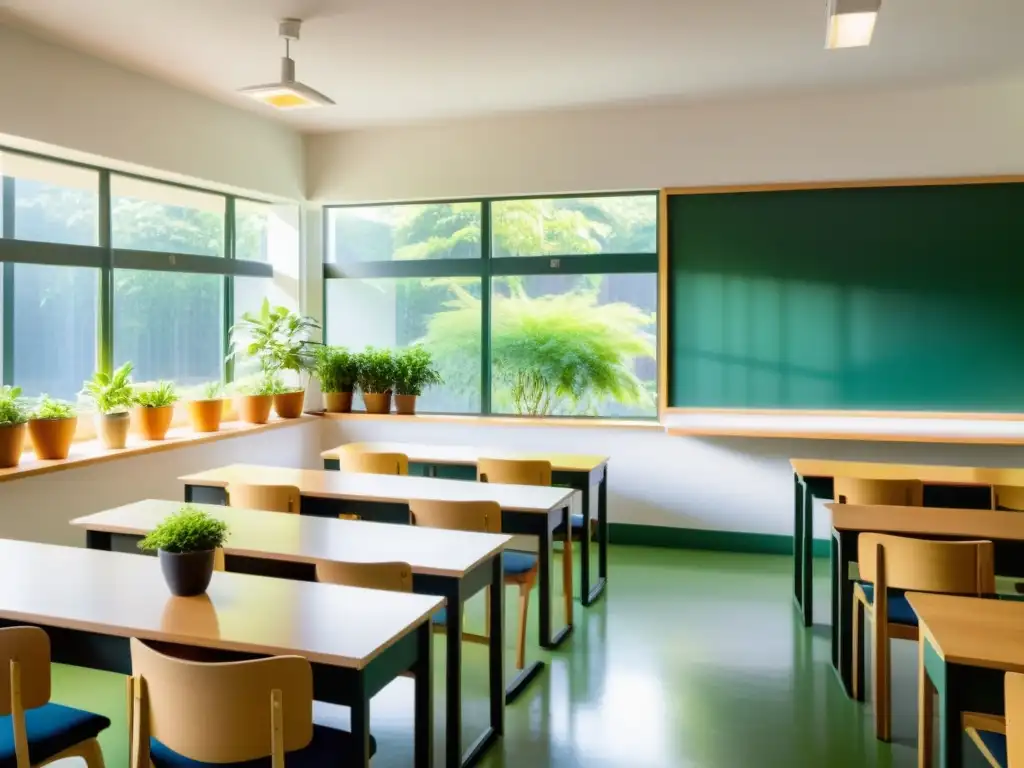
x=692, y=659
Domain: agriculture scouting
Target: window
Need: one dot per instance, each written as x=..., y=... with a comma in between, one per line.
x=570, y=334
x=147, y=216
x=52, y=202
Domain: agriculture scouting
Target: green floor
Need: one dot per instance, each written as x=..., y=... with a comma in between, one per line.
x=693, y=659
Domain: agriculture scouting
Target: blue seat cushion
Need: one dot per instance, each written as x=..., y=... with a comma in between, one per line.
x=576, y=521
x=51, y=729
x=995, y=743
x=517, y=563
x=900, y=611
x=328, y=747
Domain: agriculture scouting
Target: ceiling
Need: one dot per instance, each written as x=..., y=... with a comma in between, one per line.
x=400, y=61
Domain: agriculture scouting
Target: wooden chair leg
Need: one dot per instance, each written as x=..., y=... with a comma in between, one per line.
x=881, y=688
x=487, y=614
x=129, y=700
x=858, y=648
x=925, y=712
x=524, y=612
x=93, y=754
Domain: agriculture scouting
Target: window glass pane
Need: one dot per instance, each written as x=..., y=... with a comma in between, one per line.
x=404, y=232
x=169, y=325
x=148, y=216
x=572, y=226
x=442, y=313
x=581, y=345
x=53, y=202
x=54, y=328
x=266, y=232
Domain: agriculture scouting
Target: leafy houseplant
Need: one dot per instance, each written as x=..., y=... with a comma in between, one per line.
x=414, y=372
x=113, y=396
x=51, y=428
x=256, y=397
x=13, y=415
x=377, y=378
x=185, y=542
x=337, y=370
x=156, y=409
x=206, y=410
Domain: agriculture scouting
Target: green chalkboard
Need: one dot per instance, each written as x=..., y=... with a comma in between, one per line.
x=895, y=298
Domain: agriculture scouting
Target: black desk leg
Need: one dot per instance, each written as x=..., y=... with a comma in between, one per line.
x=453, y=693
x=423, y=752
x=496, y=665
x=360, y=723
x=842, y=607
x=584, y=543
x=798, y=539
x=554, y=518
x=602, y=528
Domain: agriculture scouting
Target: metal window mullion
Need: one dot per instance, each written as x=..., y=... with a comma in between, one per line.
x=485, y=308
x=105, y=328
x=7, y=301
x=230, y=248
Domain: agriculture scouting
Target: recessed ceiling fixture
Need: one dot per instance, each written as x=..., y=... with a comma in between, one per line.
x=851, y=22
x=289, y=93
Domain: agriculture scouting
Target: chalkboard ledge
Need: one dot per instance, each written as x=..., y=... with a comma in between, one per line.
x=879, y=426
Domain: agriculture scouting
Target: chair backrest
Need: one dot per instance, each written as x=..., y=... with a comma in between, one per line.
x=374, y=463
x=391, y=577
x=902, y=493
x=222, y=712
x=1008, y=497
x=271, y=498
x=951, y=567
x=480, y=516
x=514, y=471
x=29, y=647
x=1014, y=700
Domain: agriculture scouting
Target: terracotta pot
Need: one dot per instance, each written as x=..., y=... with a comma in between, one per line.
x=255, y=409
x=51, y=438
x=205, y=414
x=338, y=402
x=154, y=422
x=113, y=429
x=289, y=404
x=187, y=573
x=377, y=402
x=405, y=405
x=12, y=442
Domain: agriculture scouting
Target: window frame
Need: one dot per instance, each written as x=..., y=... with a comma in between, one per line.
x=489, y=266
x=106, y=259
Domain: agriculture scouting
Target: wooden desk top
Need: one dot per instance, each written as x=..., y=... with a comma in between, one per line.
x=929, y=473
x=357, y=486
x=309, y=539
x=468, y=455
x=969, y=523
x=973, y=630
x=125, y=595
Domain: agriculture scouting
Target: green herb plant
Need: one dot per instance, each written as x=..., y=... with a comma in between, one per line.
x=212, y=390
x=111, y=393
x=262, y=386
x=190, y=529
x=159, y=395
x=13, y=410
x=49, y=409
x=336, y=369
x=415, y=371
x=277, y=338
x=377, y=370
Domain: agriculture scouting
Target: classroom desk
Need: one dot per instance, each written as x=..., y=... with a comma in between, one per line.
x=452, y=564
x=1004, y=529
x=91, y=603
x=579, y=471
x=531, y=510
x=813, y=478
x=967, y=646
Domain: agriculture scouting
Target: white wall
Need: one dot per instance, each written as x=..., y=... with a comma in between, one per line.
x=39, y=508
x=55, y=96
x=935, y=131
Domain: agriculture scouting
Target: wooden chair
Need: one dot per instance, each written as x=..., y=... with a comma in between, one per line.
x=42, y=730
x=484, y=517
x=188, y=712
x=374, y=463
x=921, y=565
x=1001, y=740
x=390, y=577
x=1008, y=498
x=902, y=493
x=270, y=498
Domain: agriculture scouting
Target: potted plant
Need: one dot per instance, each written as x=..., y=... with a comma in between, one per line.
x=256, y=397
x=51, y=428
x=279, y=339
x=155, y=409
x=206, y=410
x=13, y=415
x=185, y=542
x=414, y=372
x=112, y=396
x=376, y=379
x=337, y=370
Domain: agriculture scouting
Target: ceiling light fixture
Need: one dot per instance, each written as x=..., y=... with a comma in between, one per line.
x=851, y=22
x=289, y=93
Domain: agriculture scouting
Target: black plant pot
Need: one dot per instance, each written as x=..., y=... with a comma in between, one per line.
x=187, y=573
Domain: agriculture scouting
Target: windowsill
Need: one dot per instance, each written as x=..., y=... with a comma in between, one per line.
x=88, y=452
x=503, y=421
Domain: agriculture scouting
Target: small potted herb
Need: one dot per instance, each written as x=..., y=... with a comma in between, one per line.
x=155, y=409
x=51, y=428
x=337, y=370
x=206, y=410
x=256, y=398
x=185, y=542
x=13, y=415
x=414, y=372
x=113, y=396
x=377, y=378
